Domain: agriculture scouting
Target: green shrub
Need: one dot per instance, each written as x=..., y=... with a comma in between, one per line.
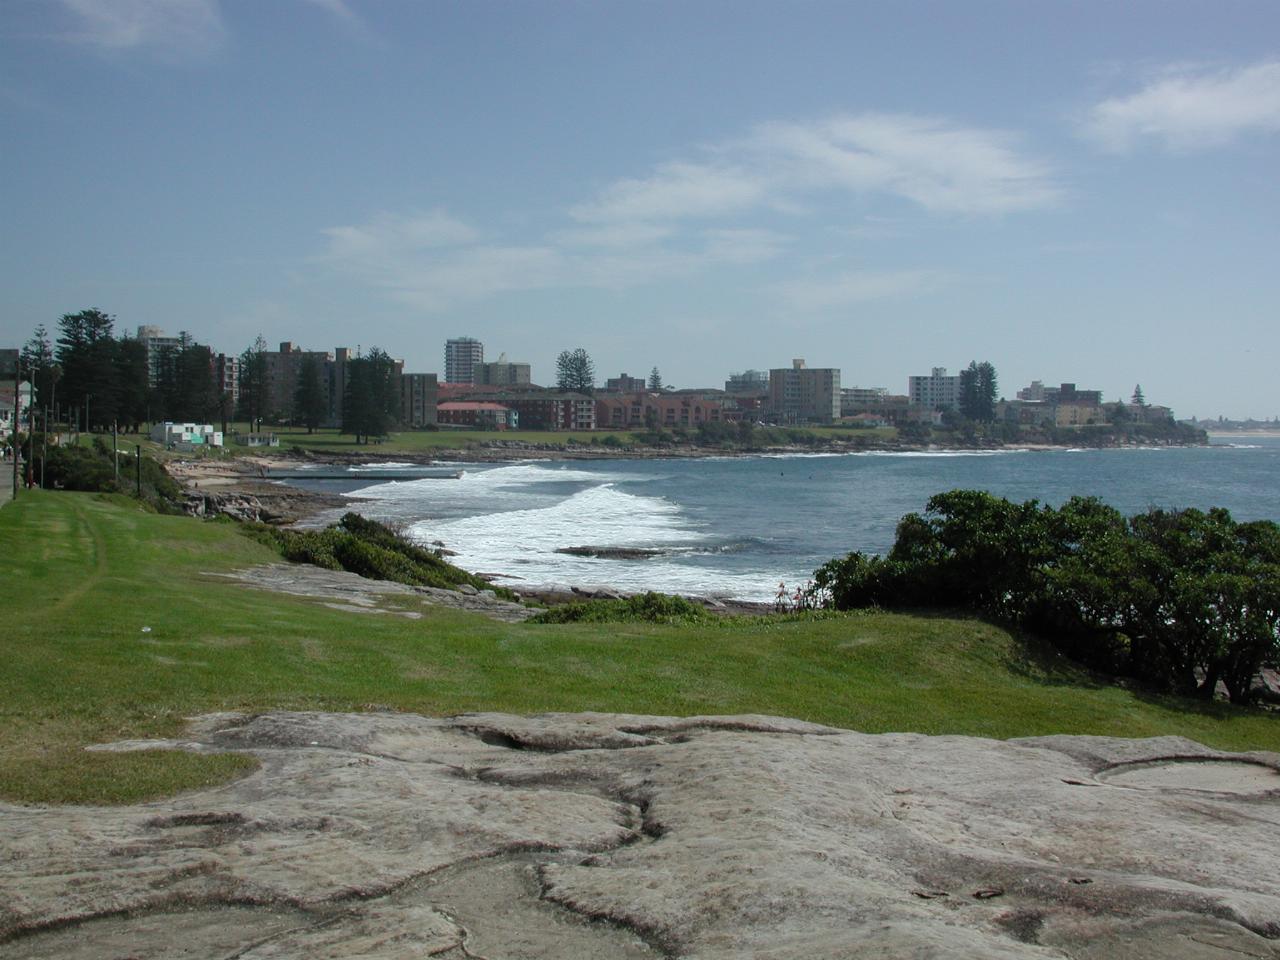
x=642, y=608
x=1179, y=599
x=370, y=549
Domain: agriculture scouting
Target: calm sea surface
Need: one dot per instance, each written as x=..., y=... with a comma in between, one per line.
x=738, y=526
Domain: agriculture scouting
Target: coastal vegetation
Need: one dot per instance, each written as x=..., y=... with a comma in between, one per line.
x=369, y=549
x=120, y=623
x=1181, y=600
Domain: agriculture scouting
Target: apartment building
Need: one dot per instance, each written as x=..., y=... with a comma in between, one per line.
x=938, y=391
x=283, y=370
x=625, y=383
x=157, y=342
x=802, y=394
x=478, y=413
x=501, y=373
x=677, y=408
x=418, y=399
x=748, y=381
x=461, y=357
x=549, y=409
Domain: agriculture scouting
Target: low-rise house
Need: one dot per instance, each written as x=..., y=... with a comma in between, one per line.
x=257, y=440
x=186, y=437
x=25, y=398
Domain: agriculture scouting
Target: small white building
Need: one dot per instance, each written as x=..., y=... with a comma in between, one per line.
x=26, y=400
x=186, y=437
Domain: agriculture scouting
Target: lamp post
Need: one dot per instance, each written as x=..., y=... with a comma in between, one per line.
x=17, y=399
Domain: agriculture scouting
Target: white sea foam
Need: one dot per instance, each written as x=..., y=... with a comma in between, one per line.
x=938, y=454
x=523, y=543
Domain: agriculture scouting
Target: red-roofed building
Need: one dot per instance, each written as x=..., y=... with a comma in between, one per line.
x=475, y=413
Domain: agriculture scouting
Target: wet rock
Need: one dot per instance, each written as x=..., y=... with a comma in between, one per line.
x=394, y=835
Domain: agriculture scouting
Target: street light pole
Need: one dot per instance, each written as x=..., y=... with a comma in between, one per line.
x=17, y=399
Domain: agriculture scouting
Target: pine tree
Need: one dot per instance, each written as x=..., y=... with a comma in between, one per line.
x=655, y=380
x=308, y=400
x=575, y=372
x=253, y=382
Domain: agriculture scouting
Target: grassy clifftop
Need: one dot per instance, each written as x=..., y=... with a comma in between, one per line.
x=116, y=627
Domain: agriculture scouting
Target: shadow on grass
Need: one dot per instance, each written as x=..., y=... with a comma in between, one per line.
x=1029, y=657
x=1210, y=709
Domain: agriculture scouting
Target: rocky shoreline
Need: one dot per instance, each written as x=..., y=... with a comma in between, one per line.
x=242, y=488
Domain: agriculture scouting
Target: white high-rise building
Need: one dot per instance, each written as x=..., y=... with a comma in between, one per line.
x=461, y=357
x=938, y=391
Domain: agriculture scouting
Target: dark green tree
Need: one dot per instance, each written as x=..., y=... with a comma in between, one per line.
x=978, y=391
x=86, y=351
x=655, y=380
x=197, y=386
x=309, y=401
x=372, y=397
x=575, y=372
x=1180, y=599
x=135, y=374
x=38, y=365
x=253, y=383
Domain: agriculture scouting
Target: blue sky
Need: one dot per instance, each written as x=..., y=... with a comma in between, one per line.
x=1081, y=191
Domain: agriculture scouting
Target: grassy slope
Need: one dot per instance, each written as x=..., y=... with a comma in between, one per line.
x=82, y=576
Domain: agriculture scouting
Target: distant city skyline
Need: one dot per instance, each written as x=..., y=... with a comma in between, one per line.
x=1074, y=192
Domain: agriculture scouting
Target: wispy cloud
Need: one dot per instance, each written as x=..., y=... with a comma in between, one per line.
x=712, y=211
x=435, y=261
x=942, y=167
x=165, y=26
x=818, y=295
x=1188, y=109
x=387, y=236
x=677, y=190
x=341, y=11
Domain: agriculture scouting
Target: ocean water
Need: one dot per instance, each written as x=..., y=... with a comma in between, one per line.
x=739, y=526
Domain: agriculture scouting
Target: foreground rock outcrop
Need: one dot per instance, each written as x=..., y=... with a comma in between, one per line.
x=397, y=836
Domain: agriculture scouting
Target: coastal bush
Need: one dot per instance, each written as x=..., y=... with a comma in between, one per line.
x=643, y=608
x=369, y=549
x=89, y=468
x=1180, y=599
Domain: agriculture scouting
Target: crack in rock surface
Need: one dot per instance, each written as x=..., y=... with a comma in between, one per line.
x=386, y=835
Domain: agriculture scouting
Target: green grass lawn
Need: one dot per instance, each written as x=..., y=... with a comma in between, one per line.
x=115, y=629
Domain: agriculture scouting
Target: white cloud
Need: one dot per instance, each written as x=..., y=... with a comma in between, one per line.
x=742, y=246
x=859, y=286
x=338, y=8
x=615, y=235
x=1189, y=110
x=435, y=261
x=674, y=191
x=649, y=229
x=185, y=26
x=940, y=166
x=389, y=235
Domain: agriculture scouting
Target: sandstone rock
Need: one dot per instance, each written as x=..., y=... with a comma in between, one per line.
x=393, y=835
x=351, y=592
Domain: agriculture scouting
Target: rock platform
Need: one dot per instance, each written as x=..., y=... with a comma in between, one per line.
x=387, y=835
